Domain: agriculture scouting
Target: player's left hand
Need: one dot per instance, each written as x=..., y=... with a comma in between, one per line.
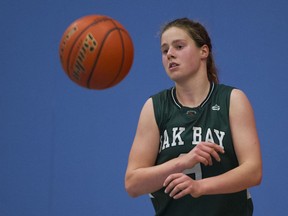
x=179, y=185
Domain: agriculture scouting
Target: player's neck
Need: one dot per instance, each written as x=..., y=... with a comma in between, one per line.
x=194, y=94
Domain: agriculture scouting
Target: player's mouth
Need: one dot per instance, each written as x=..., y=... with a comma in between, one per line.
x=173, y=65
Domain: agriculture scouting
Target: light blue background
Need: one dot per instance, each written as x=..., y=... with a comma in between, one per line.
x=64, y=149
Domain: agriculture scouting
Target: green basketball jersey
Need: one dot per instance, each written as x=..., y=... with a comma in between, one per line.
x=181, y=128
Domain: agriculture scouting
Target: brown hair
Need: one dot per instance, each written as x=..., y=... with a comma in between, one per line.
x=199, y=34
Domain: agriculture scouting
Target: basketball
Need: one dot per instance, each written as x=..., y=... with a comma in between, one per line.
x=96, y=52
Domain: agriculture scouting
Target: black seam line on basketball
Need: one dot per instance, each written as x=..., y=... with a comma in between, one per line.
x=98, y=55
x=123, y=55
x=76, y=40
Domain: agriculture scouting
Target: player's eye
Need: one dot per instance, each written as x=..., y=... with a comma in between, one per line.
x=164, y=51
x=179, y=47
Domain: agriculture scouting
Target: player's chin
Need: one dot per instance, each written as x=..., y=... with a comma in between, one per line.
x=174, y=75
x=178, y=78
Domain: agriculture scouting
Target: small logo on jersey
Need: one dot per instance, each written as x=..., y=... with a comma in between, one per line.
x=191, y=113
x=216, y=107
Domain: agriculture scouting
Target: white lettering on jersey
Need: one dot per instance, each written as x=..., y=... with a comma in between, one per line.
x=166, y=141
x=209, y=137
x=177, y=136
x=197, y=135
x=220, y=135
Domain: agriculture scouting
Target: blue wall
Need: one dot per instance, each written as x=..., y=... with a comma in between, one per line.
x=64, y=149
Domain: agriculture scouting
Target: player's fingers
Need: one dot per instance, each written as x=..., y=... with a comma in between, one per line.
x=213, y=150
x=205, y=158
x=168, y=181
x=204, y=154
x=210, y=152
x=216, y=147
x=181, y=194
x=178, y=189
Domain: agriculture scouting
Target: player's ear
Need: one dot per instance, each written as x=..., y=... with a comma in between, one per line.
x=204, y=51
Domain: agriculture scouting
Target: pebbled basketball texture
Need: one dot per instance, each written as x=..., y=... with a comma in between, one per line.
x=96, y=52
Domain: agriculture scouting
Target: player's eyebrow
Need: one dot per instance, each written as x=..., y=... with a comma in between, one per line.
x=173, y=42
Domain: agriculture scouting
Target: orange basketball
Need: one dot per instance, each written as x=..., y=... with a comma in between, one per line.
x=96, y=52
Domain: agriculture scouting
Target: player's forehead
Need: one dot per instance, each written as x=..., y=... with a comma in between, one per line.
x=174, y=35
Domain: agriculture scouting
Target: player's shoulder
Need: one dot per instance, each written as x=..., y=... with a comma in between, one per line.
x=162, y=93
x=162, y=97
x=224, y=88
x=221, y=92
x=235, y=92
x=237, y=97
x=156, y=100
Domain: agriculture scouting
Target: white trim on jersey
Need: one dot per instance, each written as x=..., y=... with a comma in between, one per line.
x=174, y=99
x=202, y=104
x=209, y=95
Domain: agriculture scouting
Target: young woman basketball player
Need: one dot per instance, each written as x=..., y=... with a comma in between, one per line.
x=196, y=150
